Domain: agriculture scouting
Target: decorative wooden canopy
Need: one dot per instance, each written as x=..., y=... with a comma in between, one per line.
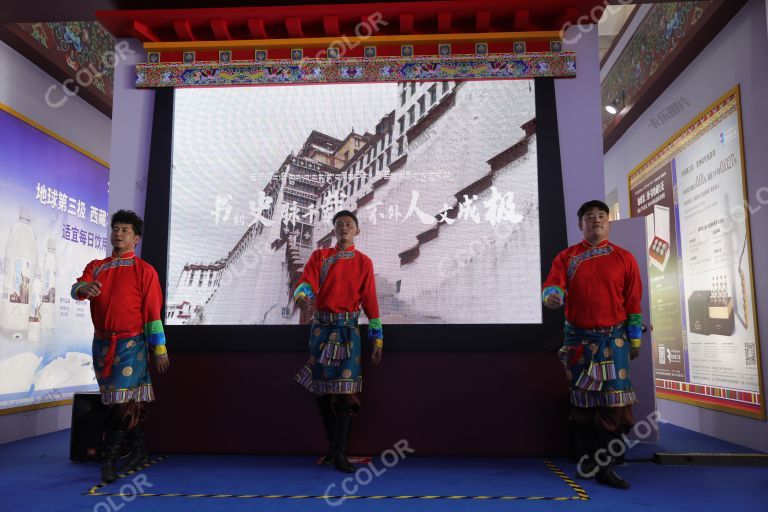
x=334, y=20
x=432, y=40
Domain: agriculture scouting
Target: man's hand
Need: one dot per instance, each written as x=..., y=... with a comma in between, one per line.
x=634, y=352
x=553, y=301
x=90, y=290
x=162, y=363
x=303, y=303
x=376, y=356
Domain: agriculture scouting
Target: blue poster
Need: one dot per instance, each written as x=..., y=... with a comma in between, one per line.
x=53, y=221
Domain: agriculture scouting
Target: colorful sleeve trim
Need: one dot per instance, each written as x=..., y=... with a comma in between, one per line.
x=634, y=332
x=550, y=290
x=156, y=340
x=153, y=331
x=161, y=351
x=375, y=331
x=634, y=326
x=635, y=342
x=303, y=290
x=76, y=288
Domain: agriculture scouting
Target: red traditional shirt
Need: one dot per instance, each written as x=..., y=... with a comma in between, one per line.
x=130, y=300
x=342, y=281
x=601, y=286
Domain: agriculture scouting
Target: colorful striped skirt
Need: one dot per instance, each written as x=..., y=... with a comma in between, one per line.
x=129, y=378
x=596, y=364
x=334, y=365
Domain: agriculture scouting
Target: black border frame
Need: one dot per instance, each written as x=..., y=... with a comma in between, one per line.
x=544, y=337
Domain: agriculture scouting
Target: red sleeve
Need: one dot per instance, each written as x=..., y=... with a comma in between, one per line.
x=633, y=287
x=558, y=275
x=152, y=306
x=368, y=292
x=311, y=274
x=153, y=295
x=87, y=277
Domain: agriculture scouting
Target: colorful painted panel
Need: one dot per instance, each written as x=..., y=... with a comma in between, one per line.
x=385, y=69
x=659, y=38
x=83, y=45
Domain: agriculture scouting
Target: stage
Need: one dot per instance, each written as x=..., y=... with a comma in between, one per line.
x=37, y=475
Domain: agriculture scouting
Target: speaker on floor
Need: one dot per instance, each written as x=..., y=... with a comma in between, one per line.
x=88, y=418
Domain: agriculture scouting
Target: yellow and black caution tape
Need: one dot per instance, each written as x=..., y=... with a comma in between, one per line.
x=340, y=497
x=95, y=489
x=581, y=494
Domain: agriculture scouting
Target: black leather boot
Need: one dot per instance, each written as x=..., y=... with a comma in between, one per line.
x=606, y=474
x=110, y=451
x=341, y=434
x=583, y=449
x=324, y=406
x=139, y=454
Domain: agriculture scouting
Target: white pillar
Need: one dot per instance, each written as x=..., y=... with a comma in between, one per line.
x=580, y=126
x=132, y=111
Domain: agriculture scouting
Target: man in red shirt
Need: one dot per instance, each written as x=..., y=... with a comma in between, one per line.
x=599, y=283
x=340, y=280
x=126, y=303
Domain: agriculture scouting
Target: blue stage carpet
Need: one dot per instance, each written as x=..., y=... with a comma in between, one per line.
x=35, y=474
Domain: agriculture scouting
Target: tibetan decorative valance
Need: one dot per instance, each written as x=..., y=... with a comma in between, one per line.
x=380, y=69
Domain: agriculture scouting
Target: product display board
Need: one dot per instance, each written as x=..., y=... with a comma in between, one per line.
x=692, y=192
x=53, y=221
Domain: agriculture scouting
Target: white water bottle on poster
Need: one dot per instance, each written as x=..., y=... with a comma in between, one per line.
x=19, y=257
x=48, y=306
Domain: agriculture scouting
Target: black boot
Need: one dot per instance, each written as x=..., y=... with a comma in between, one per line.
x=607, y=475
x=110, y=451
x=324, y=406
x=583, y=449
x=575, y=442
x=341, y=434
x=139, y=454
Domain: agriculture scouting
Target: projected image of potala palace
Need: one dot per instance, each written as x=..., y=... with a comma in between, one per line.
x=445, y=189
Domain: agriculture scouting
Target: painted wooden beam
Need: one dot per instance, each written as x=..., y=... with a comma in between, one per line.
x=183, y=29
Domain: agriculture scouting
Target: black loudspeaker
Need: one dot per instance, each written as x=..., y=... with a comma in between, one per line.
x=88, y=419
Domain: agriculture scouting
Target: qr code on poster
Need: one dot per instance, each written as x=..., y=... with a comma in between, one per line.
x=751, y=354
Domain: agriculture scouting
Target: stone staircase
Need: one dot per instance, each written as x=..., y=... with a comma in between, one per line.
x=393, y=310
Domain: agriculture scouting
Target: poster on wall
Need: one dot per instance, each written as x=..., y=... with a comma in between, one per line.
x=692, y=193
x=653, y=198
x=53, y=221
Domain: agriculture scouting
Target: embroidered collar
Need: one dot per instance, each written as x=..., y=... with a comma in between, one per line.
x=589, y=245
x=350, y=248
x=125, y=256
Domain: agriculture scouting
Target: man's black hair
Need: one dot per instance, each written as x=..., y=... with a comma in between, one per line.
x=128, y=217
x=346, y=213
x=593, y=204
